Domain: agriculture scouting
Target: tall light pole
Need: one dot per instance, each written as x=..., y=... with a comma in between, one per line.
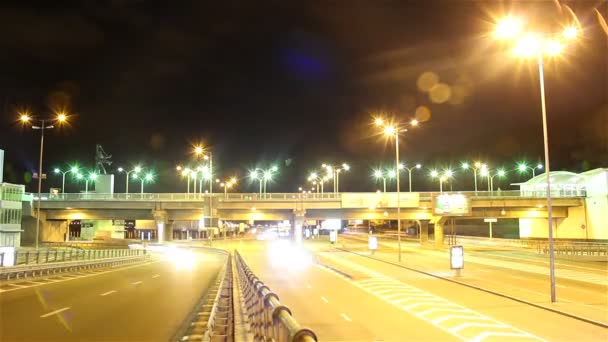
x=317, y=180
x=538, y=45
x=392, y=131
x=227, y=185
x=206, y=155
x=447, y=174
x=380, y=175
x=73, y=170
x=149, y=177
x=42, y=125
x=523, y=167
x=263, y=176
x=135, y=170
x=409, y=171
x=491, y=174
x=333, y=171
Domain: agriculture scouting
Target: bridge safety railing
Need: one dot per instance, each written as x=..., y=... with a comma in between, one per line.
x=25, y=271
x=213, y=317
x=297, y=196
x=44, y=256
x=268, y=318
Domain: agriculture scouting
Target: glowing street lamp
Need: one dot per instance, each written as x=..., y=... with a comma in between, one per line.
x=317, y=180
x=42, y=125
x=200, y=151
x=447, y=174
x=333, y=172
x=227, y=185
x=263, y=176
x=540, y=45
x=392, y=131
x=523, y=167
x=475, y=167
x=148, y=178
x=410, y=169
x=135, y=171
x=380, y=175
x=73, y=170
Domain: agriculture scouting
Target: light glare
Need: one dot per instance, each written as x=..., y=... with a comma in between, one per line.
x=508, y=28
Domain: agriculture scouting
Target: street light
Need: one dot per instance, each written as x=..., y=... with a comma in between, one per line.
x=73, y=170
x=447, y=174
x=317, y=180
x=263, y=176
x=227, y=185
x=149, y=177
x=392, y=131
x=491, y=174
x=42, y=125
x=409, y=171
x=135, y=170
x=475, y=167
x=523, y=167
x=207, y=155
x=333, y=172
x=92, y=177
x=380, y=175
x=538, y=45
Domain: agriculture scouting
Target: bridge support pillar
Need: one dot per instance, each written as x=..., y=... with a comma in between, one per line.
x=299, y=217
x=439, y=231
x=424, y=231
x=160, y=218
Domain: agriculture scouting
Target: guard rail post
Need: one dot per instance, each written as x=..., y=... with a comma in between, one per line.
x=27, y=257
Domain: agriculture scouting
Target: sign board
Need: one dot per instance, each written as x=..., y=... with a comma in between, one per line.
x=35, y=175
x=490, y=220
x=456, y=257
x=333, y=236
x=452, y=205
x=9, y=256
x=372, y=243
x=118, y=222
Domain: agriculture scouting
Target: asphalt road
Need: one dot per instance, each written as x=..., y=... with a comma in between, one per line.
x=580, y=286
x=141, y=303
x=382, y=302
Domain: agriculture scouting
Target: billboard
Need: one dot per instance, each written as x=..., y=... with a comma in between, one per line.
x=451, y=205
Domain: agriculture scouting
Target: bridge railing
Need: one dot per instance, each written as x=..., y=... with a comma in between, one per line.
x=45, y=256
x=269, y=319
x=295, y=196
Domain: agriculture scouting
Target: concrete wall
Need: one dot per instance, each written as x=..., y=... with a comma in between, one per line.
x=575, y=226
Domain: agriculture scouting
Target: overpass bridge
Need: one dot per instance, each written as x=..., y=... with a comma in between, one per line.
x=162, y=213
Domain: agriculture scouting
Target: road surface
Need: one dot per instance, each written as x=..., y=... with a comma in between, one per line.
x=138, y=303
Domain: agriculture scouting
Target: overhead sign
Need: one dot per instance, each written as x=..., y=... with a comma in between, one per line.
x=490, y=219
x=452, y=205
x=457, y=257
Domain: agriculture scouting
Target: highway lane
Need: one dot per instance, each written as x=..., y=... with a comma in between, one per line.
x=577, y=296
x=535, y=321
x=334, y=309
x=387, y=303
x=143, y=303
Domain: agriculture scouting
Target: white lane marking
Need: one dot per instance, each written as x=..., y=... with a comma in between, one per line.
x=107, y=293
x=308, y=286
x=561, y=286
x=156, y=276
x=136, y=283
x=517, y=277
x=324, y=299
x=346, y=317
x=17, y=286
x=55, y=312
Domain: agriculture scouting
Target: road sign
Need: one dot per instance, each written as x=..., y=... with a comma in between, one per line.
x=457, y=257
x=35, y=175
x=490, y=219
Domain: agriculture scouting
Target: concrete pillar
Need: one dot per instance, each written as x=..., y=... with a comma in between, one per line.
x=439, y=231
x=424, y=231
x=299, y=217
x=160, y=218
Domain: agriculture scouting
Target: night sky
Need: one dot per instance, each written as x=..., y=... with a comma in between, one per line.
x=295, y=83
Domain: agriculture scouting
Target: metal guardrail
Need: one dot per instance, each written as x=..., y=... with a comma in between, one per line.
x=55, y=255
x=16, y=272
x=269, y=319
x=212, y=319
x=297, y=196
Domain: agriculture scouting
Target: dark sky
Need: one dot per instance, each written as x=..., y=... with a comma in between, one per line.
x=295, y=83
